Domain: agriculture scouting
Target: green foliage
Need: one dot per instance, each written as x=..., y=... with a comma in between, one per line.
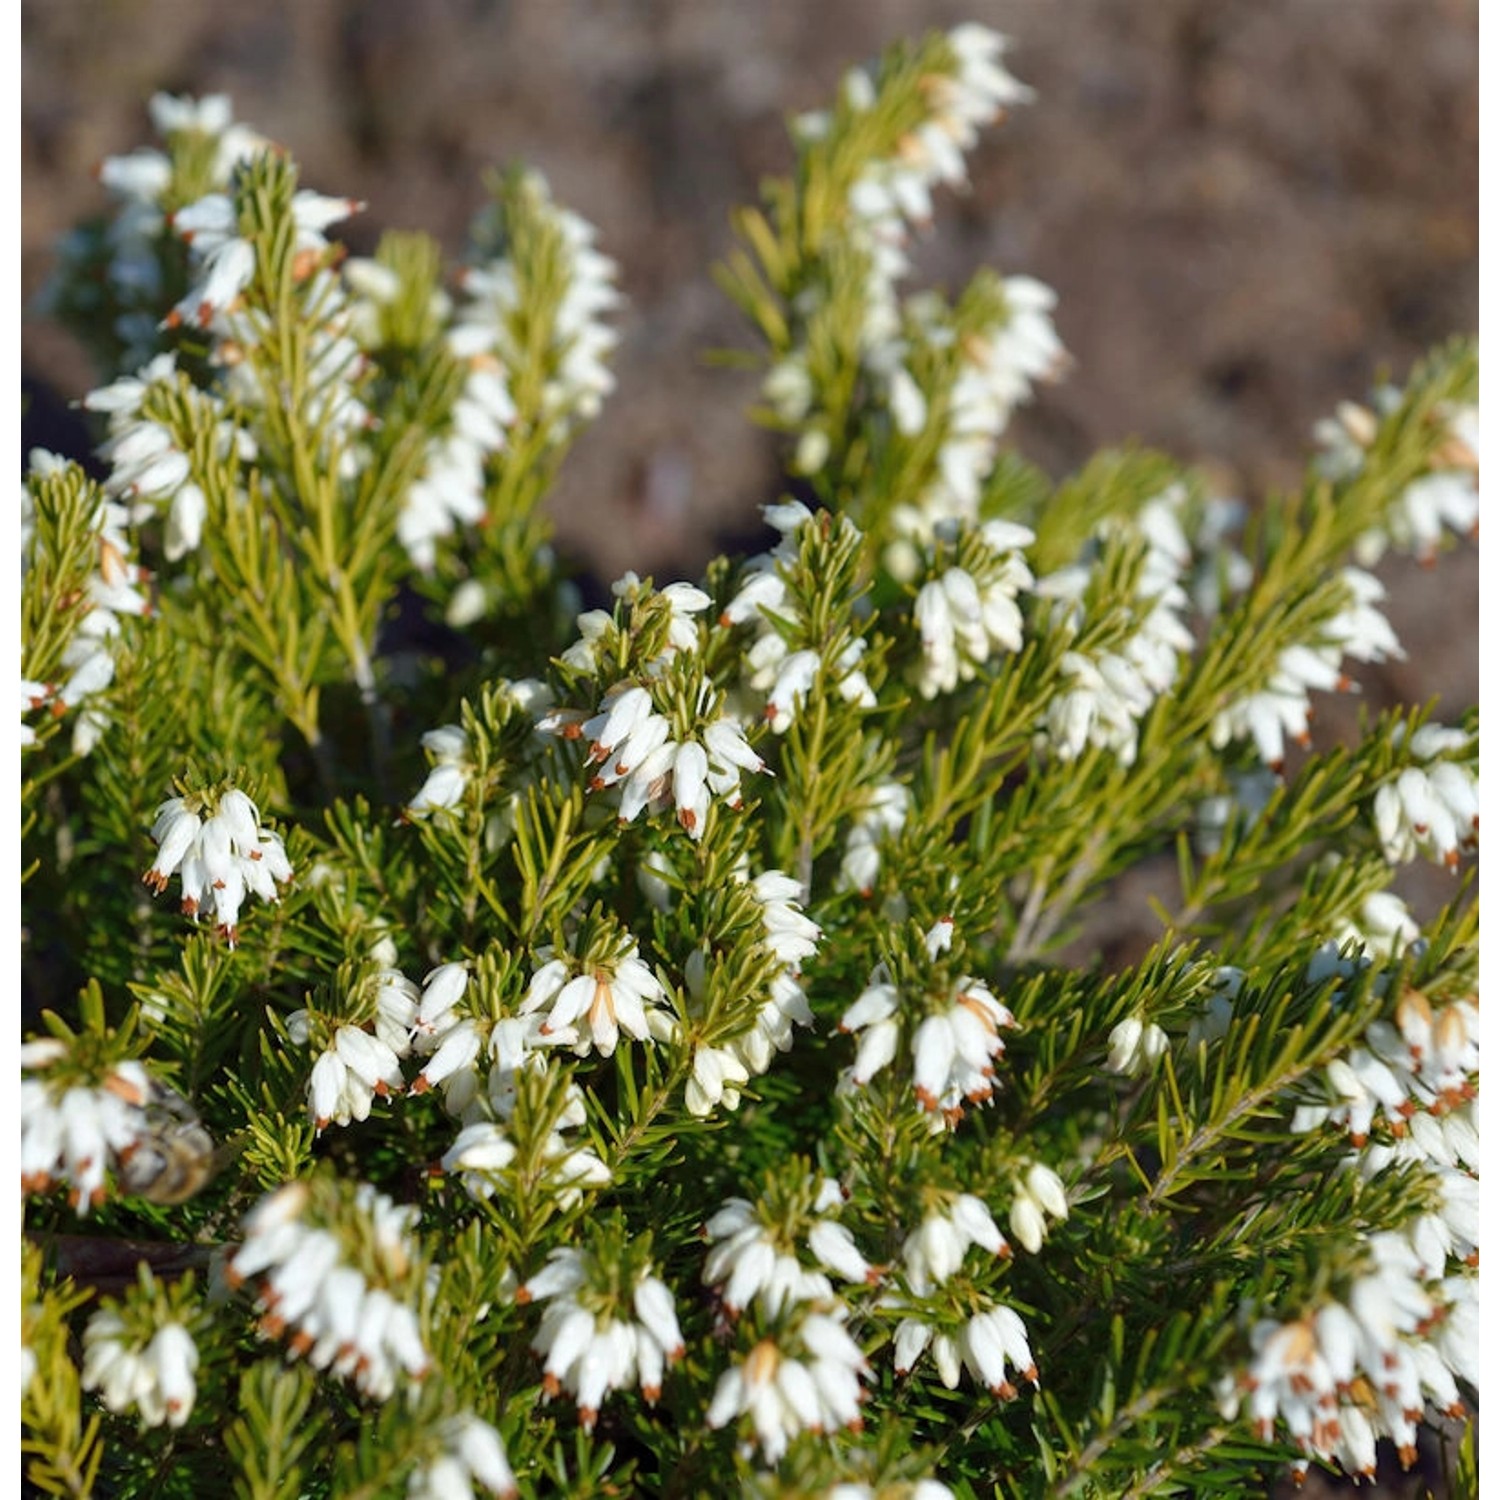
x=541, y=1034
x=60, y=1442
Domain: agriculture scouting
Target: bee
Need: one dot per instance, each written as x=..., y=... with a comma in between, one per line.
x=173, y=1158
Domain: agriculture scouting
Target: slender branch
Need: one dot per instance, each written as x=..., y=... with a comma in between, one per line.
x=1041, y=918
x=1142, y=1406
x=1166, y=1470
x=1208, y=1135
x=1036, y=896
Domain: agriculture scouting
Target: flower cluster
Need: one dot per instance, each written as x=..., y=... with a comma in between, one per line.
x=660, y=738
x=360, y=1063
x=805, y=1378
x=457, y=1041
x=754, y=1254
x=225, y=235
x=77, y=1131
x=777, y=676
x=636, y=748
x=225, y=258
x=953, y=1047
x=990, y=1345
x=589, y=1004
x=1446, y=496
x=894, y=191
x=117, y=587
x=882, y=817
x=504, y=302
x=936, y=1312
x=968, y=613
x=450, y=489
x=1135, y=1046
x=1368, y=1364
x=935, y=1249
x=1039, y=1195
x=155, y=1379
x=973, y=91
x=335, y=1272
x=996, y=364
x=1282, y=709
x=788, y=937
x=150, y=447
x=471, y=1450
x=1425, y=1061
x=242, y=267
x=216, y=844
x=989, y=358
x=1361, y=1367
x=1421, y=1071
x=445, y=1034
x=1447, y=1151
x=1432, y=807
x=385, y=1018
x=1106, y=692
x=608, y=1324
x=529, y=318
x=204, y=145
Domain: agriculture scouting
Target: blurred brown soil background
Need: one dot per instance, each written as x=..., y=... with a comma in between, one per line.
x=1250, y=209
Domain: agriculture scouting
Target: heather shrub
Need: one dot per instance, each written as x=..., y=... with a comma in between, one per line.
x=479, y=1042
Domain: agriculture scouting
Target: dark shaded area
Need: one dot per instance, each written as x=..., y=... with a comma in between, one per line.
x=47, y=421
